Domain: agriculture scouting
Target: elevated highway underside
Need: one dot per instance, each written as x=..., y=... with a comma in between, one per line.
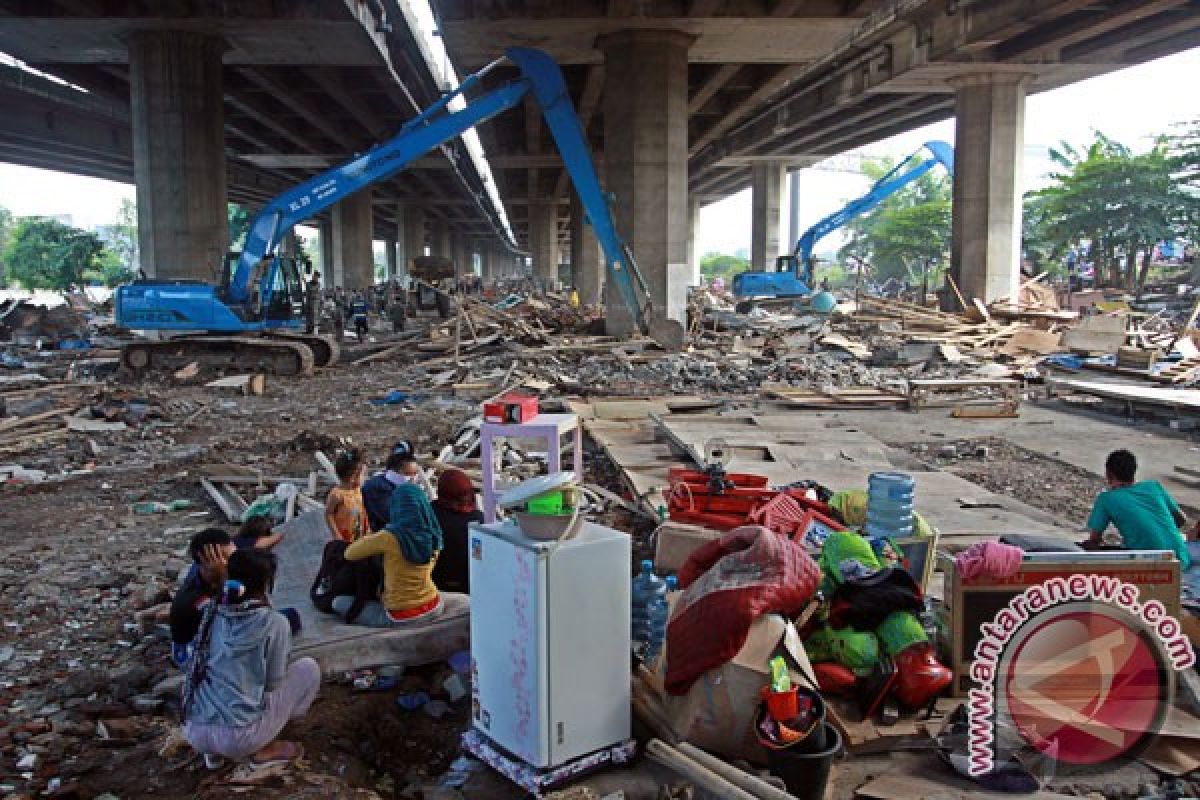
x=684, y=101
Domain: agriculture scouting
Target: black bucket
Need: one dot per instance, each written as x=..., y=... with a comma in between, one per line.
x=806, y=774
x=814, y=742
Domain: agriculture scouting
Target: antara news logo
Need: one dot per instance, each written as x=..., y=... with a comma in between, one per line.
x=1080, y=666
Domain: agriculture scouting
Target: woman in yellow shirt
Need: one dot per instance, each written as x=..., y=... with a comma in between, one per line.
x=410, y=545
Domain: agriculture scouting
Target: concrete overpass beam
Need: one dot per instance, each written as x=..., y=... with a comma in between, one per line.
x=325, y=252
x=767, y=182
x=543, y=241
x=177, y=104
x=989, y=140
x=353, y=254
x=645, y=159
x=693, y=258
x=587, y=264
x=389, y=252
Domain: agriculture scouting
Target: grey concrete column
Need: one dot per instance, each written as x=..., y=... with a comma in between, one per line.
x=693, y=258
x=989, y=140
x=439, y=239
x=414, y=235
x=766, y=187
x=645, y=160
x=487, y=261
x=353, y=254
x=325, y=252
x=543, y=241
x=587, y=264
x=178, y=118
x=389, y=252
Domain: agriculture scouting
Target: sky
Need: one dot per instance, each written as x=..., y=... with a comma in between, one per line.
x=1131, y=106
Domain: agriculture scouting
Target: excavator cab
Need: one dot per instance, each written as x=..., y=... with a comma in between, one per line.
x=283, y=298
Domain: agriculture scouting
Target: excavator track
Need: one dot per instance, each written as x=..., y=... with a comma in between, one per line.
x=278, y=356
x=325, y=349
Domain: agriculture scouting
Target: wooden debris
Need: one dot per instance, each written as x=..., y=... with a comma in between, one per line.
x=928, y=393
x=246, y=384
x=864, y=398
x=231, y=511
x=188, y=372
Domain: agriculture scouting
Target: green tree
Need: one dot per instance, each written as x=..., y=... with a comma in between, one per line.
x=123, y=241
x=720, y=265
x=1122, y=203
x=45, y=254
x=239, y=224
x=1185, y=149
x=908, y=232
x=6, y=224
x=109, y=270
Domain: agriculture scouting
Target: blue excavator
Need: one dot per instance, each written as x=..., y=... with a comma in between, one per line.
x=793, y=275
x=253, y=320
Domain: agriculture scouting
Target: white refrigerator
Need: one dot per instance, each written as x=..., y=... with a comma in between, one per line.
x=550, y=628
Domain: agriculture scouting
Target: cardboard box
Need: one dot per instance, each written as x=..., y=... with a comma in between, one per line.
x=971, y=603
x=717, y=713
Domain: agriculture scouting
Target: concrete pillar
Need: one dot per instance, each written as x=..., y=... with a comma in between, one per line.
x=353, y=252
x=414, y=235
x=389, y=252
x=439, y=239
x=587, y=264
x=325, y=252
x=989, y=140
x=487, y=261
x=766, y=187
x=543, y=241
x=178, y=118
x=693, y=258
x=645, y=160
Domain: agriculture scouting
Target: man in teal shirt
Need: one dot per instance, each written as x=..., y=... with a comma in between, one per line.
x=1145, y=515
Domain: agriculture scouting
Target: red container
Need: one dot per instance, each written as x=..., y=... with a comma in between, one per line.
x=511, y=408
x=782, y=706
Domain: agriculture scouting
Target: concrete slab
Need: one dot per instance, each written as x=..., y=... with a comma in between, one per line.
x=338, y=647
x=1080, y=438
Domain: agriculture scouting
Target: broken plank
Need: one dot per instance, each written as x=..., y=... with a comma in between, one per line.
x=20, y=422
x=227, y=508
x=984, y=412
x=246, y=384
x=898, y=786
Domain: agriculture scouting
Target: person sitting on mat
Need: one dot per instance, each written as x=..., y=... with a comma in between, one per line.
x=410, y=545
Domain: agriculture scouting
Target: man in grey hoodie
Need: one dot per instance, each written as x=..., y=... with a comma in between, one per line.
x=240, y=690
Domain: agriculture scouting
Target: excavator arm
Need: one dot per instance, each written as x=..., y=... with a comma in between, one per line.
x=541, y=77
x=896, y=179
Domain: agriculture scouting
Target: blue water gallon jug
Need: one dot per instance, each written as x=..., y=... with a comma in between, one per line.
x=656, y=619
x=889, y=504
x=647, y=587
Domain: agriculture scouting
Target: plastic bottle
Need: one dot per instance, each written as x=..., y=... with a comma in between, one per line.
x=889, y=504
x=657, y=614
x=646, y=588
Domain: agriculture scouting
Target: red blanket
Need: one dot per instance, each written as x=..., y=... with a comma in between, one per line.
x=728, y=583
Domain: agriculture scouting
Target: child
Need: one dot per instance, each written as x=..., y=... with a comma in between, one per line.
x=344, y=510
x=401, y=467
x=257, y=532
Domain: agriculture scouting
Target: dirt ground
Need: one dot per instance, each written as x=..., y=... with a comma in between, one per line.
x=1005, y=468
x=85, y=684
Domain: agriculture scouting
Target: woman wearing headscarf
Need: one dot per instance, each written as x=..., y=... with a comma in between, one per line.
x=456, y=510
x=409, y=544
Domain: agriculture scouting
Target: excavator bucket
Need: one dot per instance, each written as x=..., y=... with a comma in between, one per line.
x=668, y=333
